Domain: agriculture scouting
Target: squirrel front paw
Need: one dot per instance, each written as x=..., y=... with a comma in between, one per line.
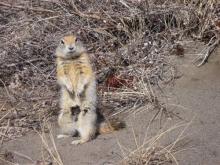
x=79, y=91
x=70, y=88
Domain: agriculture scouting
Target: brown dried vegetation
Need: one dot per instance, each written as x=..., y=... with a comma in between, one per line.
x=129, y=41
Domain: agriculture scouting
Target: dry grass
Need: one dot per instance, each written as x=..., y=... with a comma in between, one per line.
x=130, y=44
x=49, y=145
x=154, y=150
x=129, y=41
x=49, y=152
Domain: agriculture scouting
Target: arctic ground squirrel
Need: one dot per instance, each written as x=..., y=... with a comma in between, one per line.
x=78, y=93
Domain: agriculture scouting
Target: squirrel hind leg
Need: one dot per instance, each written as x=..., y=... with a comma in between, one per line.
x=76, y=142
x=67, y=130
x=85, y=137
x=80, y=141
x=67, y=133
x=60, y=136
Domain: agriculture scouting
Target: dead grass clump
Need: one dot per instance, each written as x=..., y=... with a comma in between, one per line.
x=130, y=43
x=148, y=157
x=156, y=149
x=49, y=152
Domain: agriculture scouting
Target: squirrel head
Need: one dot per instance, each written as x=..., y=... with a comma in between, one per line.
x=69, y=47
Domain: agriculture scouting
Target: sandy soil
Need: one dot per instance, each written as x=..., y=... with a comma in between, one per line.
x=105, y=149
x=198, y=92
x=195, y=96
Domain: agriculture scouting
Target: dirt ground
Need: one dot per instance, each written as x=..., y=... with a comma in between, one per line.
x=195, y=97
x=197, y=94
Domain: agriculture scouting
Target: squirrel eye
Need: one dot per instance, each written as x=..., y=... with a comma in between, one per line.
x=77, y=39
x=62, y=42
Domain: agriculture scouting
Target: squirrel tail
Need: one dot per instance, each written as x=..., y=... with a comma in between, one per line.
x=106, y=126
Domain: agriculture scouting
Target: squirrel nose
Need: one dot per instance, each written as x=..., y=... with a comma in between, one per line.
x=71, y=48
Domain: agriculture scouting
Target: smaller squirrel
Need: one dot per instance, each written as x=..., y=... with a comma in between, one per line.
x=78, y=93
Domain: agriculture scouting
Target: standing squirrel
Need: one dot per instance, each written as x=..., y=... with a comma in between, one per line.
x=78, y=93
